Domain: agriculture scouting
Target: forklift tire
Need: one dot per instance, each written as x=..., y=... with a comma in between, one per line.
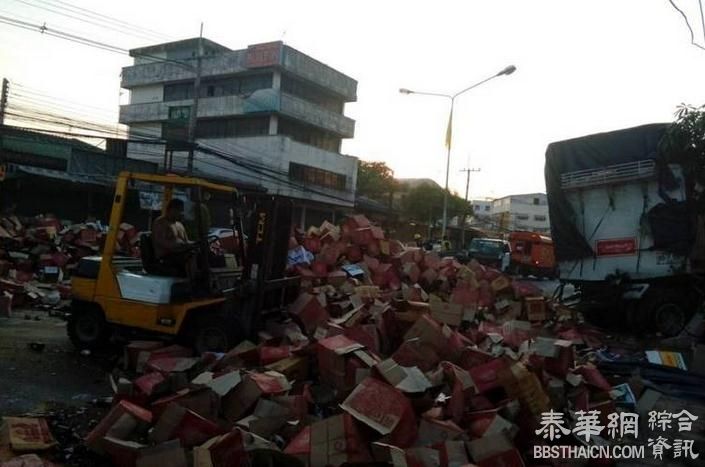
x=210, y=334
x=87, y=329
x=667, y=312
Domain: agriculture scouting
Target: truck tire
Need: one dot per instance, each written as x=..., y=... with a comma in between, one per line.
x=211, y=334
x=87, y=329
x=637, y=319
x=668, y=312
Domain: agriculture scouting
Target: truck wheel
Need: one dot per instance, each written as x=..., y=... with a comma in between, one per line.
x=87, y=329
x=669, y=314
x=637, y=319
x=211, y=335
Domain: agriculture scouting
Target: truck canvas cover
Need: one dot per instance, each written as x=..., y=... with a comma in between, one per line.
x=585, y=153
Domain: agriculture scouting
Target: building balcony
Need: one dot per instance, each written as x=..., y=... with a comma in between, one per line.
x=278, y=56
x=260, y=101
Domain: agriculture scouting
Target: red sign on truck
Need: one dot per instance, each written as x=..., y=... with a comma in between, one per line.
x=616, y=247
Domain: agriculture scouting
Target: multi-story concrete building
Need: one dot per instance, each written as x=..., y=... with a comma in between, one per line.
x=481, y=208
x=268, y=115
x=522, y=212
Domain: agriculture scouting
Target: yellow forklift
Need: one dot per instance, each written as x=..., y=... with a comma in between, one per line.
x=214, y=310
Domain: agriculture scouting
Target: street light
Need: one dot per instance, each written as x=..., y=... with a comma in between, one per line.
x=449, y=131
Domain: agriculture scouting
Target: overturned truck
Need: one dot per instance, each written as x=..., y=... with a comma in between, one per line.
x=627, y=226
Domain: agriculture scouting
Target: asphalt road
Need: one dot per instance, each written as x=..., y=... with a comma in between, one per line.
x=30, y=378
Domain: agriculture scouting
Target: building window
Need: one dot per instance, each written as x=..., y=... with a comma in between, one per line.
x=537, y=201
x=487, y=208
x=540, y=218
x=216, y=87
x=232, y=127
x=308, y=134
x=312, y=93
x=522, y=217
x=315, y=176
x=178, y=92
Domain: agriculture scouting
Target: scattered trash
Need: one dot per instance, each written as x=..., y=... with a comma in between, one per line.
x=660, y=357
x=36, y=346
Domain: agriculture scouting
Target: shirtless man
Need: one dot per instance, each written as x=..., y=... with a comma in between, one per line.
x=171, y=244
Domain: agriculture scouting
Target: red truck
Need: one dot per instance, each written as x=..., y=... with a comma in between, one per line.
x=532, y=254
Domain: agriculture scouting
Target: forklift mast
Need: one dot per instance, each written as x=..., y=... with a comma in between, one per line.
x=268, y=230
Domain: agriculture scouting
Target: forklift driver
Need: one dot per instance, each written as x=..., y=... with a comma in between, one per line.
x=171, y=245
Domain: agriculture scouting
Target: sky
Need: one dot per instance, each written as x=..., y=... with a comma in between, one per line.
x=583, y=66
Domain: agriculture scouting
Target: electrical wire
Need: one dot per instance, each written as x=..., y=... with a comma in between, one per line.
x=101, y=17
x=86, y=20
x=687, y=23
x=44, y=29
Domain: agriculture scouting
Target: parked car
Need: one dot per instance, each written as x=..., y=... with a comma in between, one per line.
x=490, y=252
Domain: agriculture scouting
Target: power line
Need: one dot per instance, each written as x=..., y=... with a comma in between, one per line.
x=687, y=23
x=88, y=21
x=101, y=17
x=44, y=29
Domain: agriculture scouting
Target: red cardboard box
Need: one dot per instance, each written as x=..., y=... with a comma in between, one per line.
x=339, y=358
x=335, y=441
x=385, y=409
x=310, y=311
x=188, y=427
x=122, y=420
x=486, y=376
x=244, y=397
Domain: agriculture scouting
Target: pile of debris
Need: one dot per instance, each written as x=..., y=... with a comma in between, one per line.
x=38, y=255
x=389, y=355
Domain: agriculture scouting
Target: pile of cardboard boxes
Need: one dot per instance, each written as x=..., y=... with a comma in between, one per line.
x=37, y=257
x=390, y=354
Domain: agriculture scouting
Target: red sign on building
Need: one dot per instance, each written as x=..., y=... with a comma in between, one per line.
x=261, y=55
x=616, y=247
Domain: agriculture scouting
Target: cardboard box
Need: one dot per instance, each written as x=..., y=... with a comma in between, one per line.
x=123, y=453
x=188, y=427
x=310, y=311
x=28, y=434
x=429, y=332
x=535, y=308
x=339, y=360
x=486, y=376
x=132, y=350
x=122, y=420
x=221, y=451
x=559, y=366
x=444, y=312
x=203, y=401
x=385, y=409
x=169, y=454
x=500, y=284
x=238, y=402
x=406, y=379
x=295, y=368
x=337, y=440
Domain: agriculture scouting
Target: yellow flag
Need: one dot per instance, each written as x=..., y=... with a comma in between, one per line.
x=449, y=130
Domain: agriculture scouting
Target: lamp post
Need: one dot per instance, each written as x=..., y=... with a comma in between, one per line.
x=449, y=131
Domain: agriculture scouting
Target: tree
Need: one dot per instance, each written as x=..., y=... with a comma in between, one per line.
x=375, y=180
x=424, y=203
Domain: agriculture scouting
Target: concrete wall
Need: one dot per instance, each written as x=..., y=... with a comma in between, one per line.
x=145, y=72
x=144, y=94
x=263, y=100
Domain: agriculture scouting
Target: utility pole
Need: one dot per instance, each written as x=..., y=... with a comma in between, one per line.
x=3, y=99
x=194, y=107
x=467, y=192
